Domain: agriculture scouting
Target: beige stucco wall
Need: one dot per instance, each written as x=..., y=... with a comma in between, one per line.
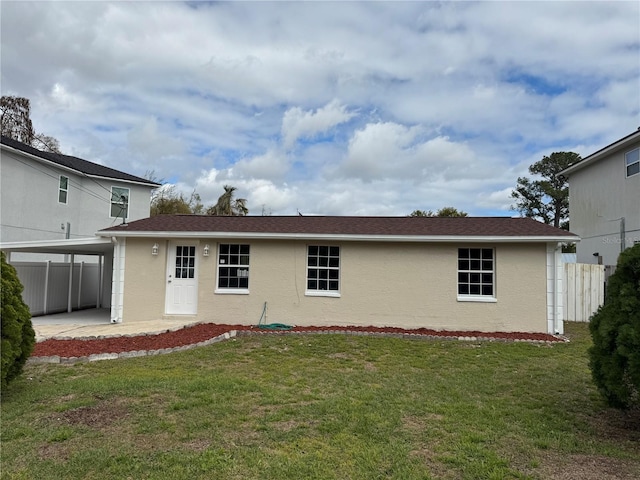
x=382, y=284
x=144, y=280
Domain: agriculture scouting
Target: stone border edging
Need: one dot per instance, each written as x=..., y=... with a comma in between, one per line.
x=129, y=354
x=248, y=332
x=414, y=336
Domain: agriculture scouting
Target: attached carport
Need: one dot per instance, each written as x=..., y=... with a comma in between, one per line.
x=99, y=249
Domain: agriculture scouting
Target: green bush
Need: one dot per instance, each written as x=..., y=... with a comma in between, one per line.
x=615, y=329
x=18, y=337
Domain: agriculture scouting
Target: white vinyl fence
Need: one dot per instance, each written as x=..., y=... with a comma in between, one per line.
x=46, y=286
x=583, y=290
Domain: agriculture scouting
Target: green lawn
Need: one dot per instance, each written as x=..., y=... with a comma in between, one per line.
x=321, y=407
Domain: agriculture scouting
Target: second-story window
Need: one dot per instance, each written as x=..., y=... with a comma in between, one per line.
x=119, y=202
x=63, y=189
x=632, y=160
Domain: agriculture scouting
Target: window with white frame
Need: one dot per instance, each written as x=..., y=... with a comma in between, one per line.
x=119, y=202
x=323, y=269
x=233, y=266
x=63, y=189
x=632, y=160
x=476, y=272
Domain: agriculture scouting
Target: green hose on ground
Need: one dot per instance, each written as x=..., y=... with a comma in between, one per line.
x=271, y=326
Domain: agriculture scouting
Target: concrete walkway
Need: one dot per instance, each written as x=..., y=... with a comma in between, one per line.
x=96, y=322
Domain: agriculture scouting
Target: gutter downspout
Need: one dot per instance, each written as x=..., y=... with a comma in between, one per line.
x=116, y=307
x=558, y=325
x=555, y=308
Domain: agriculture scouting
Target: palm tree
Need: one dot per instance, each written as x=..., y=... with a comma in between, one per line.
x=229, y=206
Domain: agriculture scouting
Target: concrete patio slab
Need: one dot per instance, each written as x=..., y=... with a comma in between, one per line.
x=97, y=323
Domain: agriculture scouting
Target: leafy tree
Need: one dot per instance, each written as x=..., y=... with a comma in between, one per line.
x=229, y=206
x=614, y=357
x=45, y=143
x=18, y=336
x=547, y=199
x=168, y=201
x=443, y=212
x=15, y=120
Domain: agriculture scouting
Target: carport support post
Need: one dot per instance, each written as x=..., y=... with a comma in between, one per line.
x=70, y=283
x=99, y=293
x=117, y=279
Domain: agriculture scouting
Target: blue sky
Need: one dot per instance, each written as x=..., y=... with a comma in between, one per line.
x=334, y=108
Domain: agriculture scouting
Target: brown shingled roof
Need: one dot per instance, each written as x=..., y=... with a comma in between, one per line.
x=339, y=225
x=75, y=163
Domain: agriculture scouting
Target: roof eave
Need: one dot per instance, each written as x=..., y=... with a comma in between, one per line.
x=604, y=152
x=123, y=180
x=346, y=237
x=75, y=170
x=42, y=160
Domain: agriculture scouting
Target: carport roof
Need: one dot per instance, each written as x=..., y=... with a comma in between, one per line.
x=79, y=246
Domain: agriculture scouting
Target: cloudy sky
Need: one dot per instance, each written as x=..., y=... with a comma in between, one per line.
x=347, y=108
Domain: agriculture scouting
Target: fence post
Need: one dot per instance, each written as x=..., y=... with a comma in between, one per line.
x=46, y=288
x=69, y=291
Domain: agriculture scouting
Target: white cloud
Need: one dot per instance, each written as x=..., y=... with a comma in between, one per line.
x=272, y=165
x=497, y=200
x=298, y=123
x=263, y=196
x=389, y=150
x=147, y=140
x=273, y=97
x=266, y=197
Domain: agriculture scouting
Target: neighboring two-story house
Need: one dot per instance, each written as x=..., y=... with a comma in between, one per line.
x=51, y=206
x=604, y=200
x=50, y=196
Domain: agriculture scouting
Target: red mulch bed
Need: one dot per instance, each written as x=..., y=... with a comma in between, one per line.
x=205, y=331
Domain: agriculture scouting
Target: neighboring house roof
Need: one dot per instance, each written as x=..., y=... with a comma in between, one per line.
x=79, y=165
x=624, y=142
x=346, y=228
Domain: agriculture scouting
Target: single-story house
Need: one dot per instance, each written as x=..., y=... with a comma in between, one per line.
x=473, y=273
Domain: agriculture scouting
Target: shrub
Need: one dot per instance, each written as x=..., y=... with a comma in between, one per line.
x=615, y=329
x=18, y=337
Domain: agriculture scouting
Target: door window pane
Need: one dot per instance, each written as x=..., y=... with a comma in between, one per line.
x=185, y=262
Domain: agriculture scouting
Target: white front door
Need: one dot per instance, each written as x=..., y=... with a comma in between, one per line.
x=182, y=279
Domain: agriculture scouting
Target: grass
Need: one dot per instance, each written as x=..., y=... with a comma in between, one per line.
x=320, y=407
